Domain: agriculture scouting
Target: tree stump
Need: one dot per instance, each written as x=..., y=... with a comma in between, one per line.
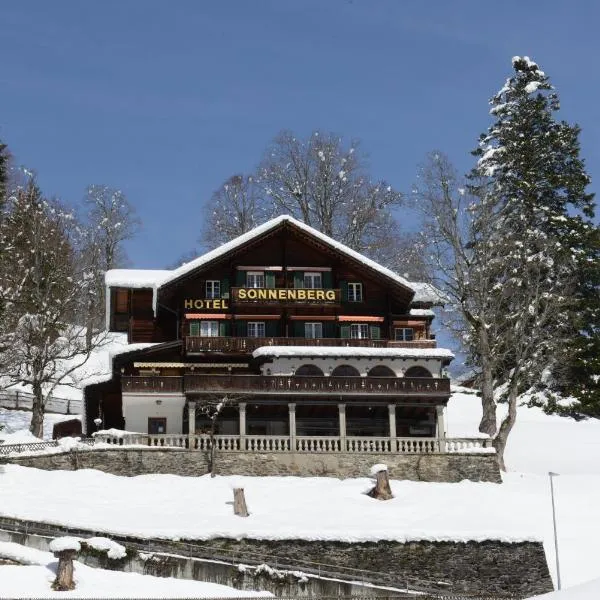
x=239, y=503
x=382, y=489
x=64, y=573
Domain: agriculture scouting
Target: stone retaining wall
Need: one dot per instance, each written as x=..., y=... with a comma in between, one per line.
x=142, y=461
x=486, y=568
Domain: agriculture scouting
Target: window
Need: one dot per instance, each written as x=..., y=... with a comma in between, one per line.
x=255, y=279
x=313, y=281
x=157, y=425
x=256, y=329
x=213, y=289
x=359, y=332
x=355, y=292
x=313, y=330
x=209, y=328
x=404, y=334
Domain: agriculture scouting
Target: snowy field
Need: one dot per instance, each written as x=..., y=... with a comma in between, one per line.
x=333, y=509
x=35, y=579
x=16, y=425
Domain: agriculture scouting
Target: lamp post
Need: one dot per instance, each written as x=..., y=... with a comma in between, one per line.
x=551, y=475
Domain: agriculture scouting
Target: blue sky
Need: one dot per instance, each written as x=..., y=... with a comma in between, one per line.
x=166, y=99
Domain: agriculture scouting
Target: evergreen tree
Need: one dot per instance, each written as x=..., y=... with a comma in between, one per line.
x=532, y=226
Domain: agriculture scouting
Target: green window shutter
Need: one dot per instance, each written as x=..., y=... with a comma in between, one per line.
x=224, y=329
x=298, y=279
x=329, y=329
x=299, y=329
x=345, y=332
x=271, y=328
x=375, y=332
x=240, y=278
x=344, y=291
x=240, y=329
x=269, y=279
x=326, y=278
x=195, y=328
x=225, y=288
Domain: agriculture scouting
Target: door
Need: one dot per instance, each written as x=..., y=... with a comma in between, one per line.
x=157, y=425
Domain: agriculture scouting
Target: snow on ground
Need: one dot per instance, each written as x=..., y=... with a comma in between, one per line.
x=585, y=591
x=16, y=425
x=35, y=579
x=540, y=443
x=322, y=508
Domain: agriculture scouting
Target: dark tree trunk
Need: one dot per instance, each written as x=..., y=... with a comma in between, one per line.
x=37, y=411
x=506, y=426
x=488, y=422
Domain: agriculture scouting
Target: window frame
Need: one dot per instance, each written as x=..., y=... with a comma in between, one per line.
x=215, y=289
x=313, y=276
x=308, y=325
x=214, y=325
x=404, y=337
x=360, y=327
x=355, y=291
x=258, y=275
x=256, y=325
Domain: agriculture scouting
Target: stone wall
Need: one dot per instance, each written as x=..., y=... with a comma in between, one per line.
x=129, y=462
x=453, y=568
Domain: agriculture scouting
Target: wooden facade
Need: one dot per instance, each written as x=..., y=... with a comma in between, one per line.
x=285, y=321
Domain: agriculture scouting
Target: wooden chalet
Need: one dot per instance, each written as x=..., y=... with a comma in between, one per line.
x=313, y=346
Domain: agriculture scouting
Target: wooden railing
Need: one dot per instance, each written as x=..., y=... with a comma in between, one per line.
x=198, y=344
x=302, y=444
x=140, y=385
x=280, y=384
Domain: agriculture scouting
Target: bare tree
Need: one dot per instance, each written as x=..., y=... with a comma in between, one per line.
x=325, y=183
x=41, y=290
x=109, y=221
x=235, y=208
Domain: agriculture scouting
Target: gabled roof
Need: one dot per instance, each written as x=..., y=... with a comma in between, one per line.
x=157, y=279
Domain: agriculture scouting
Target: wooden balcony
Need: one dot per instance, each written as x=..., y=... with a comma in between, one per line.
x=246, y=345
x=285, y=296
x=287, y=385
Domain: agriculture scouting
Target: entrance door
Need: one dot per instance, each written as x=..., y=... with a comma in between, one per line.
x=157, y=425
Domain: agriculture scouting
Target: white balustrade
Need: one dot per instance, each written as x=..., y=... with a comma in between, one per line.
x=307, y=444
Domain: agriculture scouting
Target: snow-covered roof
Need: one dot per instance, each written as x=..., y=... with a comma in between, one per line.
x=139, y=278
x=421, y=312
x=353, y=351
x=135, y=278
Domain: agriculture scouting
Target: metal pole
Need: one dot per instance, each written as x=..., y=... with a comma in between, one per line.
x=551, y=474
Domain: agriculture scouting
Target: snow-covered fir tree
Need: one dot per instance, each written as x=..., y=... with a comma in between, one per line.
x=531, y=235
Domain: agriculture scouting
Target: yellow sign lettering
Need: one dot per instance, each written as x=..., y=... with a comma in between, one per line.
x=330, y=295
x=187, y=304
x=320, y=294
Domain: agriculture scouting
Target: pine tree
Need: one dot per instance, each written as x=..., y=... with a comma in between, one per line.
x=532, y=225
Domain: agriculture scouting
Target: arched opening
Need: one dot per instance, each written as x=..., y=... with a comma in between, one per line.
x=417, y=372
x=308, y=371
x=381, y=371
x=345, y=371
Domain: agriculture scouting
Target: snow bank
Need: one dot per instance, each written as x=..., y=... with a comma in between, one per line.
x=585, y=591
x=102, y=544
x=35, y=580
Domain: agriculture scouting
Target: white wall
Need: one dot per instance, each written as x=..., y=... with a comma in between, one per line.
x=137, y=408
x=288, y=365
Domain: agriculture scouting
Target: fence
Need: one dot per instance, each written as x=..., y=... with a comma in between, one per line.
x=24, y=401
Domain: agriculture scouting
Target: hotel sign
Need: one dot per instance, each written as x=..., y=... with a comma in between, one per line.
x=267, y=295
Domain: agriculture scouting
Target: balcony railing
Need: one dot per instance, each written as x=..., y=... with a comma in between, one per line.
x=302, y=444
x=288, y=385
x=198, y=344
x=285, y=296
